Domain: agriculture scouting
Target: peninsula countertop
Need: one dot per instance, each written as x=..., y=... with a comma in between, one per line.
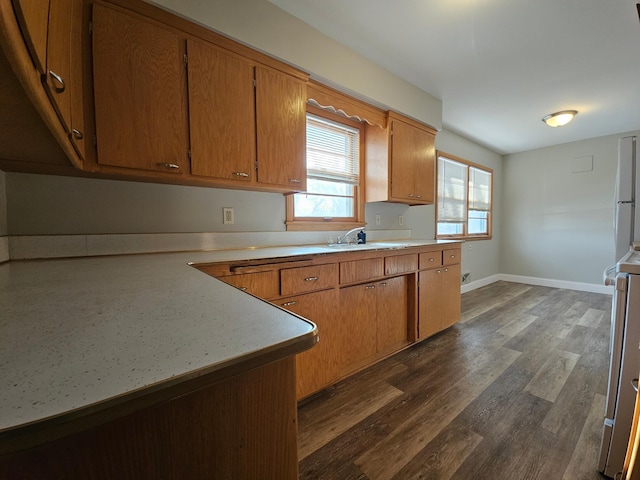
x=84, y=334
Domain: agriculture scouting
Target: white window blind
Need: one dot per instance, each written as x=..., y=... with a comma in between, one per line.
x=479, y=189
x=332, y=151
x=452, y=191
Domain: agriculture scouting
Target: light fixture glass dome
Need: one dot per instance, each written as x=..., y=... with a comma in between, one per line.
x=559, y=119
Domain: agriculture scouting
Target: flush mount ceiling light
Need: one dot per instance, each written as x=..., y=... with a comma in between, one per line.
x=559, y=119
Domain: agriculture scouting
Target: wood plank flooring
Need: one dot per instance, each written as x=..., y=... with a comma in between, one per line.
x=516, y=390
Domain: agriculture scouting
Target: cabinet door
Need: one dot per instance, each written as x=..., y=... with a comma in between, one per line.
x=140, y=92
x=281, y=129
x=59, y=59
x=412, y=163
x=317, y=367
x=79, y=45
x=392, y=314
x=451, y=280
x=430, y=302
x=403, y=160
x=358, y=326
x=221, y=113
x=33, y=18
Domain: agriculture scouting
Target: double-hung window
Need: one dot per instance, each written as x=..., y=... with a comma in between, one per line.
x=464, y=198
x=333, y=153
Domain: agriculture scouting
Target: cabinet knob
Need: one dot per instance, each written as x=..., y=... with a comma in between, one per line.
x=383, y=284
x=453, y=256
x=175, y=166
x=432, y=259
x=370, y=287
x=418, y=196
x=241, y=174
x=446, y=270
x=288, y=304
x=58, y=81
x=77, y=134
x=294, y=180
x=244, y=289
x=311, y=279
x=438, y=271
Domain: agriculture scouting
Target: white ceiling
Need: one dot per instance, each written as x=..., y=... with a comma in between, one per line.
x=499, y=66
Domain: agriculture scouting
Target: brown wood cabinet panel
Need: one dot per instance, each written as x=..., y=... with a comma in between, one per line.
x=261, y=284
x=431, y=259
x=450, y=300
x=140, y=92
x=451, y=256
x=400, y=163
x=361, y=270
x=358, y=329
x=33, y=18
x=392, y=311
x=78, y=53
x=308, y=279
x=244, y=427
x=439, y=299
x=58, y=76
x=400, y=264
x=221, y=113
x=317, y=367
x=281, y=129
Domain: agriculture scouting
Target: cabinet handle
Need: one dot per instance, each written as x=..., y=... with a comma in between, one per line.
x=446, y=270
x=369, y=287
x=294, y=180
x=241, y=174
x=288, y=304
x=411, y=195
x=311, y=279
x=244, y=289
x=453, y=256
x=77, y=134
x=418, y=196
x=57, y=79
x=168, y=165
x=383, y=284
x=438, y=271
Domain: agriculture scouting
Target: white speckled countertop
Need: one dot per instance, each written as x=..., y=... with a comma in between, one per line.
x=77, y=332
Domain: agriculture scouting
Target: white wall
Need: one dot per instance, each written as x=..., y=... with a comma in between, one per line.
x=557, y=221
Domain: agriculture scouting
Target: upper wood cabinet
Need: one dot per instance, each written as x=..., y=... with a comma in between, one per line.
x=221, y=113
x=140, y=86
x=33, y=18
x=400, y=162
x=281, y=129
x=53, y=34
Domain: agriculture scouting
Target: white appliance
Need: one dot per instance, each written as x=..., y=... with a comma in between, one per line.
x=627, y=217
x=624, y=367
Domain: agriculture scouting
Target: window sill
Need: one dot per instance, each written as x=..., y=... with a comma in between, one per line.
x=321, y=226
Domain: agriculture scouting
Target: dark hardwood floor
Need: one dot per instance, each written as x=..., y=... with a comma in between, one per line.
x=516, y=390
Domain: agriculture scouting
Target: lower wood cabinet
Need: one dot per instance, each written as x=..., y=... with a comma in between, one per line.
x=374, y=318
x=438, y=299
x=317, y=367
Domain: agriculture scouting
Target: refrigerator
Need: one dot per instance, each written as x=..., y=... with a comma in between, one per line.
x=624, y=366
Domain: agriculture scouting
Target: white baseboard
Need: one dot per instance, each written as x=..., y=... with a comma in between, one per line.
x=467, y=287
x=542, y=282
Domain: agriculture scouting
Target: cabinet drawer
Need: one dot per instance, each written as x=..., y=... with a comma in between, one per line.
x=260, y=284
x=431, y=259
x=307, y=279
x=400, y=264
x=451, y=256
x=358, y=270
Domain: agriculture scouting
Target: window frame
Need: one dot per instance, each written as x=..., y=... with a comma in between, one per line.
x=464, y=235
x=294, y=223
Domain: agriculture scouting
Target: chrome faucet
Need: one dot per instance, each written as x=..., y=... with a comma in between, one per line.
x=341, y=239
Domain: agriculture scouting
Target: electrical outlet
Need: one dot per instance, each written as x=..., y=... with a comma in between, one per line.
x=378, y=219
x=227, y=216
x=401, y=220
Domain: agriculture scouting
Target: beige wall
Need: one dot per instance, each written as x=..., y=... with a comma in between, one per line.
x=557, y=221
x=266, y=27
